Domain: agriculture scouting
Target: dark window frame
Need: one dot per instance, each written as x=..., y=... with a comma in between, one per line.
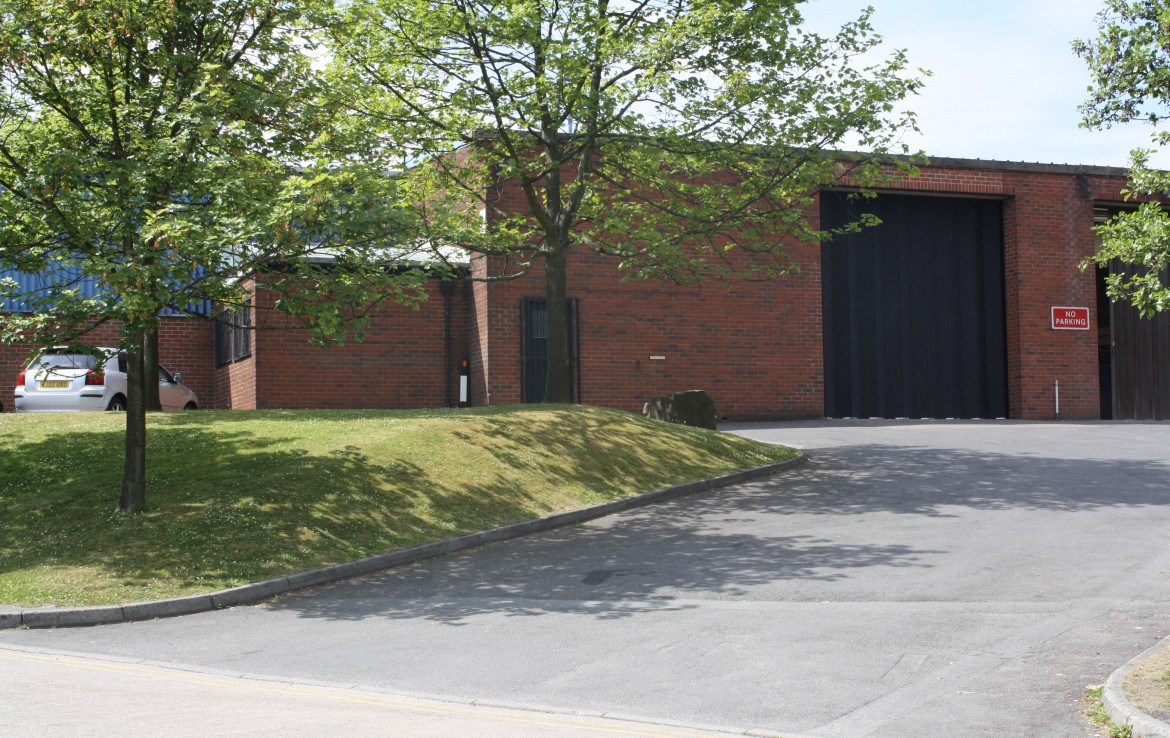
x=233, y=334
x=534, y=353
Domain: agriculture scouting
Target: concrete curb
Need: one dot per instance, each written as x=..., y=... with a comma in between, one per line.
x=256, y=591
x=1121, y=710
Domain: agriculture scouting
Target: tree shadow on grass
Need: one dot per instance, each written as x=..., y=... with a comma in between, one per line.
x=223, y=508
x=541, y=438
x=227, y=504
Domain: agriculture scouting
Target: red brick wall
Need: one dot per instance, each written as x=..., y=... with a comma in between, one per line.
x=1052, y=224
x=185, y=345
x=494, y=337
x=478, y=345
x=399, y=364
x=235, y=382
x=12, y=360
x=235, y=385
x=756, y=347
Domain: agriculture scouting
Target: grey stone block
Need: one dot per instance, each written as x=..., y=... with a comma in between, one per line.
x=66, y=617
x=472, y=540
x=511, y=530
x=693, y=407
x=682, y=490
x=324, y=575
x=393, y=558
x=168, y=608
x=250, y=592
x=10, y=619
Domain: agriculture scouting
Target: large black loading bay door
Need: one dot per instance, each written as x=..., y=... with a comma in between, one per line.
x=914, y=309
x=1134, y=354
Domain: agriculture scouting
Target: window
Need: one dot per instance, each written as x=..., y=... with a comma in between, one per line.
x=233, y=334
x=534, y=349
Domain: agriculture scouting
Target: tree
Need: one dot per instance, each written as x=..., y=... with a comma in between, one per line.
x=167, y=150
x=1129, y=61
x=663, y=134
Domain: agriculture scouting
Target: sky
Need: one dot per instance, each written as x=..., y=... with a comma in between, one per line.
x=1006, y=84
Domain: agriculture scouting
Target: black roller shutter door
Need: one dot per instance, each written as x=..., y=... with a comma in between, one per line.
x=914, y=309
x=1140, y=360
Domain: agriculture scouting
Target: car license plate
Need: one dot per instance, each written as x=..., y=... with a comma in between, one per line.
x=55, y=384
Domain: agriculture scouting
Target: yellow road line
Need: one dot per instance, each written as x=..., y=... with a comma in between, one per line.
x=162, y=674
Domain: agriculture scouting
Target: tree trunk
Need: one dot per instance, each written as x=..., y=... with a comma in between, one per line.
x=558, y=386
x=134, y=468
x=150, y=369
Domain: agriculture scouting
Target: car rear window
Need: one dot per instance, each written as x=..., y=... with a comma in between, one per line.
x=67, y=361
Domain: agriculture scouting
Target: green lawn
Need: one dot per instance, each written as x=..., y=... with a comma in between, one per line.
x=235, y=497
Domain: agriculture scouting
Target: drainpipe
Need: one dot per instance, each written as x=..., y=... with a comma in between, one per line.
x=1057, y=395
x=447, y=287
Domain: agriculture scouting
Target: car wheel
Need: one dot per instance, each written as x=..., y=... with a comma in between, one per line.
x=190, y=406
x=118, y=404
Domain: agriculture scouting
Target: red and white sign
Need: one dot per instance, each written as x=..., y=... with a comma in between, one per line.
x=1070, y=319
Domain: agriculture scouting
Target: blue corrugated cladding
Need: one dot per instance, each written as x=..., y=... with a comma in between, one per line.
x=62, y=277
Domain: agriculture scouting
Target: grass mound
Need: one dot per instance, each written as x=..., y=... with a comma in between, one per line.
x=1148, y=686
x=235, y=497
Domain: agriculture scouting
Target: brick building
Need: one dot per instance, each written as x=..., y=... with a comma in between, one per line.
x=944, y=310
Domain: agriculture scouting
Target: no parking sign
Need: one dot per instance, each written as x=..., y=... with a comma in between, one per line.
x=1070, y=318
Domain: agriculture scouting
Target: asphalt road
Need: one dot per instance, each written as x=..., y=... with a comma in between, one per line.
x=914, y=579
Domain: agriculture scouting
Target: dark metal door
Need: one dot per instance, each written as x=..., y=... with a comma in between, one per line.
x=534, y=349
x=1140, y=361
x=914, y=320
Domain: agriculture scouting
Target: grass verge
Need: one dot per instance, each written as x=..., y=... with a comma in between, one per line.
x=236, y=497
x=1096, y=713
x=1147, y=686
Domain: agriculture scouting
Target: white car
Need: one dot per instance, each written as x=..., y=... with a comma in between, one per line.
x=60, y=380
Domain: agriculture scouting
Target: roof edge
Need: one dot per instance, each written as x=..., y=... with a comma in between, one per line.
x=933, y=162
